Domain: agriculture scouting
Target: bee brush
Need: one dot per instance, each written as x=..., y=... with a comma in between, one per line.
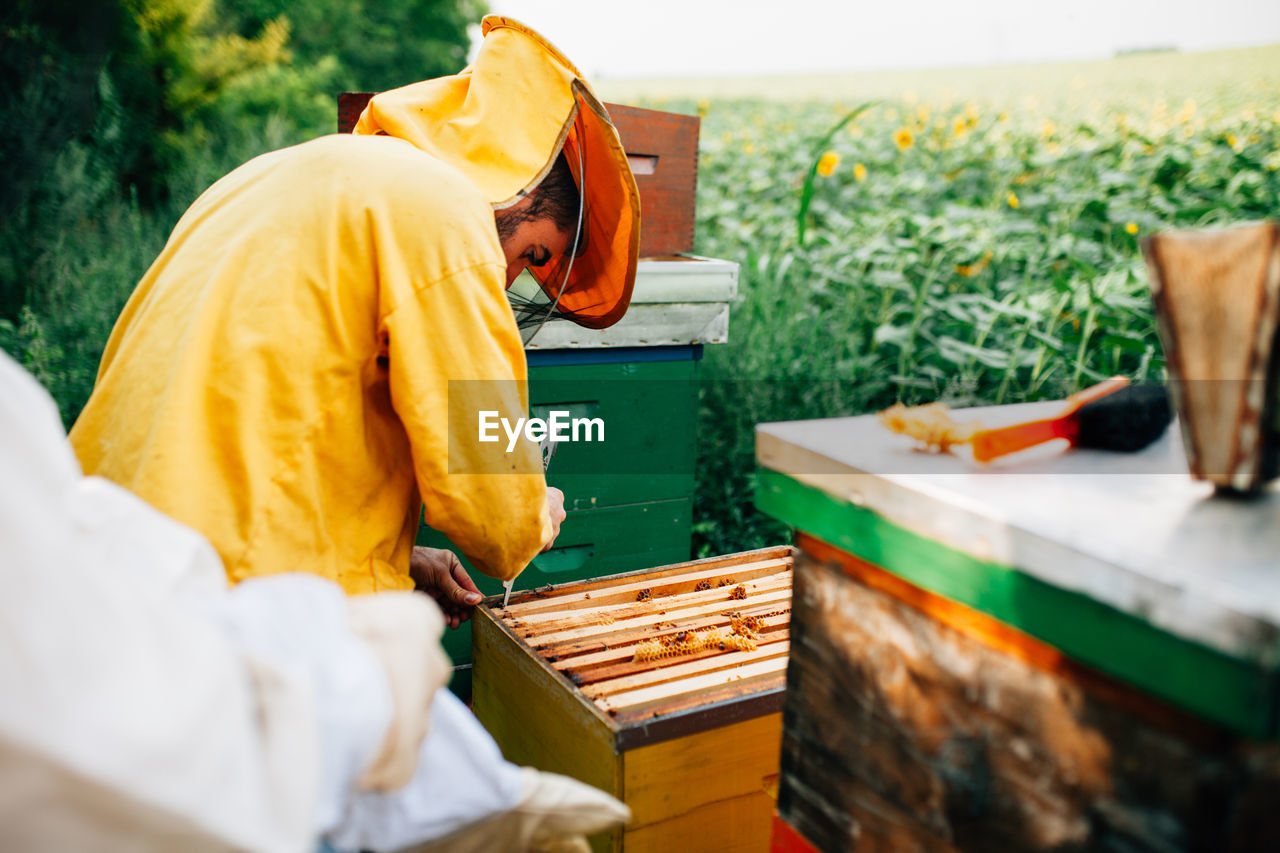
x=1112, y=415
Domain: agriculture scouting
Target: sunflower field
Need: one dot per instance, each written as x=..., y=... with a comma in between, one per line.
x=978, y=249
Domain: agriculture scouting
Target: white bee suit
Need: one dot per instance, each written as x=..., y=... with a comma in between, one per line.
x=146, y=706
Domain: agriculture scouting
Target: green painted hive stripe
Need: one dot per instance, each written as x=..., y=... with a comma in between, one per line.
x=1233, y=692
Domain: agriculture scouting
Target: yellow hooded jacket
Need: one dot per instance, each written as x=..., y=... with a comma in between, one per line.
x=282, y=378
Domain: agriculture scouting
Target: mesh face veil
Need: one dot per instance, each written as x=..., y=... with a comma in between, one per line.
x=531, y=315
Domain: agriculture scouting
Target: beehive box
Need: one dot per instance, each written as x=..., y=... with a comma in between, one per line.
x=1063, y=650
x=662, y=687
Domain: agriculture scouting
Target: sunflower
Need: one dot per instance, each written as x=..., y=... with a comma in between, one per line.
x=1012, y=199
x=827, y=164
x=903, y=139
x=859, y=172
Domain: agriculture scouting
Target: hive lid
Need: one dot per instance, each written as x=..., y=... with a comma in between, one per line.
x=1123, y=543
x=685, y=278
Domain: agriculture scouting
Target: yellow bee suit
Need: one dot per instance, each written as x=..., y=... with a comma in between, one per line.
x=280, y=378
x=299, y=371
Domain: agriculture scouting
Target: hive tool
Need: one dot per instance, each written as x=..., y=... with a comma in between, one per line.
x=548, y=448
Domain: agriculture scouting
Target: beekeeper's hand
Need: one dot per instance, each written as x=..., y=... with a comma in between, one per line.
x=559, y=813
x=439, y=574
x=403, y=631
x=555, y=507
x=555, y=814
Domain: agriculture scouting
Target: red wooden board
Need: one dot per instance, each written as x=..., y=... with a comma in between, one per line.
x=787, y=840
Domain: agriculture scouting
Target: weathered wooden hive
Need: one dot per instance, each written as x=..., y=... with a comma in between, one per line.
x=662, y=687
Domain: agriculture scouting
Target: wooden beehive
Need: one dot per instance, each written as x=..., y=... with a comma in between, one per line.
x=662, y=148
x=662, y=687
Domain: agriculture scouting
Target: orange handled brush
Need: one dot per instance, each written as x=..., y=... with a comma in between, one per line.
x=1112, y=415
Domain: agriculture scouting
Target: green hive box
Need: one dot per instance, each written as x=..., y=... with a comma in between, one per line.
x=629, y=499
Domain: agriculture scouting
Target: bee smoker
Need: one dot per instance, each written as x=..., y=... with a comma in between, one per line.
x=1217, y=302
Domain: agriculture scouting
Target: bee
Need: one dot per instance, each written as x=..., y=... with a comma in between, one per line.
x=703, y=586
x=745, y=626
x=644, y=595
x=739, y=593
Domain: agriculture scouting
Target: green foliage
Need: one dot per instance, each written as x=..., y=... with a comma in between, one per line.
x=90, y=248
x=116, y=114
x=368, y=43
x=944, y=251
x=179, y=80
x=820, y=149
x=50, y=56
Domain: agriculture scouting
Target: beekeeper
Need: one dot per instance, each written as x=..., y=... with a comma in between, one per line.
x=301, y=370
x=147, y=706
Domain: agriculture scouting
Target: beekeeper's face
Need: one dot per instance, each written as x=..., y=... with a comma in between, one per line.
x=534, y=244
x=528, y=242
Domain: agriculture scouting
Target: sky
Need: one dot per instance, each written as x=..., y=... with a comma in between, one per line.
x=608, y=39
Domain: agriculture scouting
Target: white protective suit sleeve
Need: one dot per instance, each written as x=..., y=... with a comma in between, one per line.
x=467, y=799
x=144, y=705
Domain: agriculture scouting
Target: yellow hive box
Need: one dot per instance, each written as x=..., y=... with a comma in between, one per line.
x=663, y=687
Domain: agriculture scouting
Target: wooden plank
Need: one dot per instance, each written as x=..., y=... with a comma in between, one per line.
x=668, y=142
x=627, y=639
x=620, y=653
x=903, y=733
x=715, y=662
x=547, y=622
x=726, y=826
x=777, y=552
x=684, y=278
x=350, y=105
x=787, y=840
x=1236, y=693
x=678, y=789
x=615, y=663
x=555, y=729
x=665, y=610
x=591, y=676
x=1012, y=642
x=713, y=708
x=626, y=592
x=671, y=324
x=667, y=691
